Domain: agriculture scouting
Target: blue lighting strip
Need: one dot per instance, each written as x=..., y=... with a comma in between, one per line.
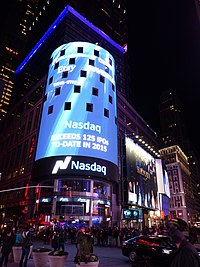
x=62, y=15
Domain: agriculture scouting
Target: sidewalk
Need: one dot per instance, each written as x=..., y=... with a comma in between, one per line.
x=68, y=247
x=39, y=243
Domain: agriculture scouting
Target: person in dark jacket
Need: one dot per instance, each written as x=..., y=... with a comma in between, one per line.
x=26, y=245
x=8, y=240
x=186, y=254
x=55, y=241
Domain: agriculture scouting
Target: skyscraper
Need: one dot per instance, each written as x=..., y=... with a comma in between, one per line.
x=81, y=76
x=172, y=134
x=171, y=120
x=22, y=30
x=13, y=34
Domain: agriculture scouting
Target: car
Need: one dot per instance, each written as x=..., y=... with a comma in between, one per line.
x=155, y=248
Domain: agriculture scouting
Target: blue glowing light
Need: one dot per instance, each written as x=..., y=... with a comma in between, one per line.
x=67, y=10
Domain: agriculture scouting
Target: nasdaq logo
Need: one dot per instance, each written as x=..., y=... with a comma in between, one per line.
x=62, y=165
x=77, y=165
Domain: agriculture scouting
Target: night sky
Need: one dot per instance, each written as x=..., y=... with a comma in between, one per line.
x=165, y=53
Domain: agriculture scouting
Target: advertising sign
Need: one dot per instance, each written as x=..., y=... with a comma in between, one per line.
x=141, y=175
x=79, y=113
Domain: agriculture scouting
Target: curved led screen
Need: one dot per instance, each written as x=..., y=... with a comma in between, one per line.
x=79, y=113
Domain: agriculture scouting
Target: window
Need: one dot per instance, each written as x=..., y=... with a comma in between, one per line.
x=74, y=185
x=110, y=99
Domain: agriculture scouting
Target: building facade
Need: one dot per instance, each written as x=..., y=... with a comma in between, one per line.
x=173, y=133
x=21, y=30
x=182, y=197
x=71, y=142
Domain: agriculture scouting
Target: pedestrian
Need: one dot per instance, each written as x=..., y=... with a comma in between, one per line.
x=18, y=235
x=79, y=238
x=8, y=240
x=62, y=240
x=26, y=246
x=55, y=241
x=186, y=254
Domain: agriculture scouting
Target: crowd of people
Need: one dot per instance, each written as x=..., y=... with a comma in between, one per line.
x=11, y=236
x=100, y=236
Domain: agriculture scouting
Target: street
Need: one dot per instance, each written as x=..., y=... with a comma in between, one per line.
x=108, y=256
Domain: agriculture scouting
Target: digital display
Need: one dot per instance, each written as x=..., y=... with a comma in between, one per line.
x=131, y=214
x=141, y=175
x=79, y=113
x=165, y=205
x=162, y=178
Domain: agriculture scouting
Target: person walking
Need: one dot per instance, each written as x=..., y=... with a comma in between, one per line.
x=26, y=245
x=186, y=254
x=79, y=238
x=8, y=240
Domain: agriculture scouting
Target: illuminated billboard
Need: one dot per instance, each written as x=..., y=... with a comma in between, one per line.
x=141, y=175
x=162, y=178
x=78, y=130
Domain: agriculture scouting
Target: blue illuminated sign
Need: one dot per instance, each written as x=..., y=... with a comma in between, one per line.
x=79, y=115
